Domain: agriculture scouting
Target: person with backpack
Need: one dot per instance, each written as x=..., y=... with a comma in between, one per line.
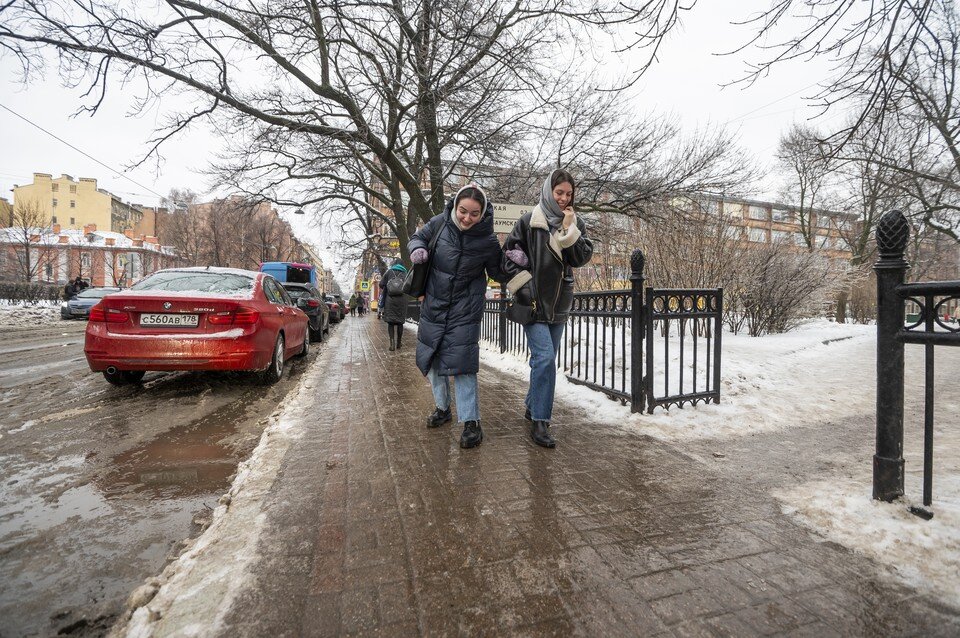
x=394, y=302
x=465, y=251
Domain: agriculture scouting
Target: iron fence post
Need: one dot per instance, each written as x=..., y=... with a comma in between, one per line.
x=892, y=234
x=502, y=319
x=637, y=329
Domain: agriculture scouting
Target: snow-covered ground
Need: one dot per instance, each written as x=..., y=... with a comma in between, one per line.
x=823, y=373
x=16, y=314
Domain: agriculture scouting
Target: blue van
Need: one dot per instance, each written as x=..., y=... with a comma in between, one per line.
x=286, y=271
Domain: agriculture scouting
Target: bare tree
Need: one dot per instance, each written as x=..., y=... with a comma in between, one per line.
x=805, y=167
x=400, y=88
x=896, y=66
x=32, y=236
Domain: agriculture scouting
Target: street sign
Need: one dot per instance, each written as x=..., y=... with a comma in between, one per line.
x=364, y=285
x=506, y=215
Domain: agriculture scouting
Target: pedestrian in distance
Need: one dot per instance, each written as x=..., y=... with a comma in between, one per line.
x=540, y=254
x=394, y=302
x=79, y=284
x=353, y=304
x=69, y=290
x=465, y=253
x=361, y=305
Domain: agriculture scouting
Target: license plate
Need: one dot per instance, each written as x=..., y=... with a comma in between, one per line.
x=163, y=320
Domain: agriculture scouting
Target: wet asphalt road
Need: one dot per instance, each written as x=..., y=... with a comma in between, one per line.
x=99, y=484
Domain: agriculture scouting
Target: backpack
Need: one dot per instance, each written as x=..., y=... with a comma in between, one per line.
x=395, y=286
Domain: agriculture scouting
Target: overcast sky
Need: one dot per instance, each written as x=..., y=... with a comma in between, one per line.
x=686, y=81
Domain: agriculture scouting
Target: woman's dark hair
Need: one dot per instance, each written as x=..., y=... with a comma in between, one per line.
x=560, y=176
x=472, y=193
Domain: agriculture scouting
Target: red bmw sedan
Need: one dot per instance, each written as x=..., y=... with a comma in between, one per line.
x=196, y=319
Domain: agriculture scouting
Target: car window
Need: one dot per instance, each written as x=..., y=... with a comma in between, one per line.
x=95, y=293
x=285, y=296
x=196, y=281
x=270, y=290
x=296, y=293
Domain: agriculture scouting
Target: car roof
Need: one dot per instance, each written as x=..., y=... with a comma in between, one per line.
x=294, y=284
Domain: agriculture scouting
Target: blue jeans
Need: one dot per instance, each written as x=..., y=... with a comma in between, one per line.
x=468, y=408
x=544, y=341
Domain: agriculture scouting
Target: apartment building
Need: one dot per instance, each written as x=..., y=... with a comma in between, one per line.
x=73, y=204
x=103, y=258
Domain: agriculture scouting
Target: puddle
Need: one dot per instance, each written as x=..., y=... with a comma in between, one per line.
x=185, y=461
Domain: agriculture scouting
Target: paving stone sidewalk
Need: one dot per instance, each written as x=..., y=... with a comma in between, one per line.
x=378, y=526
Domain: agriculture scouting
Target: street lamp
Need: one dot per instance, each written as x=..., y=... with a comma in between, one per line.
x=299, y=211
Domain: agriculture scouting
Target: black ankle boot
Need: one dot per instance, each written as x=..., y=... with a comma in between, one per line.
x=398, y=342
x=393, y=344
x=438, y=418
x=540, y=435
x=472, y=435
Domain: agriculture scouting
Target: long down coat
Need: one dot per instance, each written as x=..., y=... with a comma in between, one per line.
x=452, y=309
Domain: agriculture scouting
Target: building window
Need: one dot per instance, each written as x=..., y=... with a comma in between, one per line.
x=54, y=203
x=48, y=272
x=53, y=220
x=779, y=236
x=823, y=221
x=782, y=215
x=799, y=239
x=54, y=187
x=72, y=222
x=73, y=189
x=758, y=235
x=85, y=260
x=758, y=212
x=73, y=204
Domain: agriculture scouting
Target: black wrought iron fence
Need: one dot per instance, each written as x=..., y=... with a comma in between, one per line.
x=602, y=344
x=893, y=331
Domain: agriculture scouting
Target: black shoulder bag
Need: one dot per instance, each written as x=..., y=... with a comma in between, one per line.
x=415, y=283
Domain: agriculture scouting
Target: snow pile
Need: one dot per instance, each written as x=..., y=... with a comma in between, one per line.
x=20, y=315
x=925, y=554
x=820, y=372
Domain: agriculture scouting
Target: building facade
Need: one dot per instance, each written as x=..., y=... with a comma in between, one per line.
x=74, y=204
x=102, y=258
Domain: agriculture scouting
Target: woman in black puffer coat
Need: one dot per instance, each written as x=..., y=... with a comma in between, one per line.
x=448, y=339
x=394, y=304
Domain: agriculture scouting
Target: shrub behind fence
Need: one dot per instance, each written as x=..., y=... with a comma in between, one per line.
x=29, y=291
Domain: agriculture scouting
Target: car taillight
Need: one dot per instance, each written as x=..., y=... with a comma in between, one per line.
x=238, y=317
x=312, y=303
x=109, y=315
x=245, y=317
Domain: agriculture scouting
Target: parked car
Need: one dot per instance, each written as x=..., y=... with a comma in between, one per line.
x=336, y=312
x=196, y=319
x=79, y=305
x=344, y=307
x=310, y=301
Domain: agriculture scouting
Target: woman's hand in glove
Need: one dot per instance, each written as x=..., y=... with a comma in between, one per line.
x=419, y=256
x=517, y=256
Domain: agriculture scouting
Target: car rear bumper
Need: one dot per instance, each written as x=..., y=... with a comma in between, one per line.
x=128, y=352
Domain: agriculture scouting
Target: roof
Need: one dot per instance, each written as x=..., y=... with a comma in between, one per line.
x=74, y=237
x=218, y=269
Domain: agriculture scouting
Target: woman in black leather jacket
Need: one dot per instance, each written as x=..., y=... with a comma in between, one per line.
x=540, y=254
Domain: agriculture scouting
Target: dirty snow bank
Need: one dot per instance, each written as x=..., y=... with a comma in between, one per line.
x=194, y=593
x=21, y=315
x=924, y=554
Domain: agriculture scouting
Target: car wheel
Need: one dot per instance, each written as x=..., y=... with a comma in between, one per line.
x=133, y=376
x=117, y=377
x=305, y=350
x=274, y=371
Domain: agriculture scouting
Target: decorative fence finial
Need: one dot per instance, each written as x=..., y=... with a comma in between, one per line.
x=637, y=261
x=893, y=232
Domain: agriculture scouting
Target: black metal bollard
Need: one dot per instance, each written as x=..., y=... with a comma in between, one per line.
x=502, y=319
x=637, y=329
x=892, y=234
